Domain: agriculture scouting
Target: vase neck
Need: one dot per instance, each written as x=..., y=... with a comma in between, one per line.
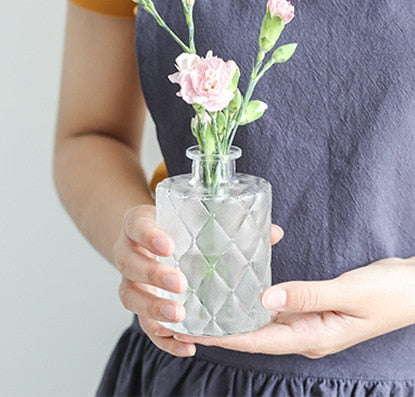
x=215, y=169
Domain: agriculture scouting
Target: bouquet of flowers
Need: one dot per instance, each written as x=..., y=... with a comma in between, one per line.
x=210, y=84
x=219, y=220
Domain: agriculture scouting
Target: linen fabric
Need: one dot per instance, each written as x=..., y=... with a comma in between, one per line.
x=338, y=146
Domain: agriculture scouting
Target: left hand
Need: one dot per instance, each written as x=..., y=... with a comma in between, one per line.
x=318, y=318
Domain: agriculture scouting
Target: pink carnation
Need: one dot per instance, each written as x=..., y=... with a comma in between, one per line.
x=282, y=8
x=204, y=81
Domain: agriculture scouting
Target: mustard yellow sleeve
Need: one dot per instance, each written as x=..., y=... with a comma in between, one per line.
x=159, y=174
x=119, y=8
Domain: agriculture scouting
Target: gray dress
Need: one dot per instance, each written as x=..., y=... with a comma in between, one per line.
x=338, y=146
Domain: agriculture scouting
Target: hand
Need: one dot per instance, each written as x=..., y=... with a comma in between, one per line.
x=318, y=318
x=135, y=251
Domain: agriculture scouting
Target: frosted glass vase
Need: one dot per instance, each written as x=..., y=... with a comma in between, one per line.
x=220, y=222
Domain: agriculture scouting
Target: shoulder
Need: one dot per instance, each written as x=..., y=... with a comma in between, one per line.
x=119, y=8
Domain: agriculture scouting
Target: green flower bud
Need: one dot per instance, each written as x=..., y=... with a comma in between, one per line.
x=271, y=30
x=254, y=111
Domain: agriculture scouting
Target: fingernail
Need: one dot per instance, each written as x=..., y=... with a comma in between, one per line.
x=177, y=337
x=281, y=230
x=275, y=299
x=161, y=245
x=172, y=312
x=186, y=350
x=172, y=282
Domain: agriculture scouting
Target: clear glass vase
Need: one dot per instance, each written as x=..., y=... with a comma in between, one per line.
x=220, y=221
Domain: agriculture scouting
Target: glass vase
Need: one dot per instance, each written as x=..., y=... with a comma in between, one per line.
x=220, y=222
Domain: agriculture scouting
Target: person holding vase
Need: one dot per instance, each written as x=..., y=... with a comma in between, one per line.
x=337, y=145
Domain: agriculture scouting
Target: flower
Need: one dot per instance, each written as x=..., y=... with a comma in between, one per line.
x=205, y=81
x=281, y=8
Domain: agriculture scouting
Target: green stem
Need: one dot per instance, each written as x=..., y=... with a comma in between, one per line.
x=215, y=133
x=266, y=67
x=248, y=95
x=154, y=13
x=188, y=14
x=191, y=31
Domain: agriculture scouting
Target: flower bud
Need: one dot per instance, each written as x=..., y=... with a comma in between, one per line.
x=254, y=111
x=281, y=8
x=270, y=32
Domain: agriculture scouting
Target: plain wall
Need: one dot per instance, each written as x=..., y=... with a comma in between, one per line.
x=60, y=316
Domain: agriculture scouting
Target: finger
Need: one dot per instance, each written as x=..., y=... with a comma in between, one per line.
x=308, y=296
x=145, y=304
x=251, y=342
x=140, y=268
x=163, y=339
x=140, y=227
x=276, y=234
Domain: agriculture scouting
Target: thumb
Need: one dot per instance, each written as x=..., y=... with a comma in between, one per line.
x=306, y=296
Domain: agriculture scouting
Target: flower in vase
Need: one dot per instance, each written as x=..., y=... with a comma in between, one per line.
x=281, y=8
x=205, y=81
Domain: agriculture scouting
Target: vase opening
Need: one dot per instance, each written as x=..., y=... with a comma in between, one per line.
x=213, y=170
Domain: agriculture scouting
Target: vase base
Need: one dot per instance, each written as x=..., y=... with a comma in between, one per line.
x=214, y=329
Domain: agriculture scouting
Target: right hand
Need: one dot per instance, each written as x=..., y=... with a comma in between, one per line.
x=135, y=253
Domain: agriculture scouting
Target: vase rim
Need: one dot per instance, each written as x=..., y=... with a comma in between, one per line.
x=193, y=153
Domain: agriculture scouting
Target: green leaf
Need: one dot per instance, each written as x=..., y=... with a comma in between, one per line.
x=253, y=111
x=235, y=80
x=271, y=30
x=284, y=53
x=236, y=102
x=220, y=122
x=209, y=140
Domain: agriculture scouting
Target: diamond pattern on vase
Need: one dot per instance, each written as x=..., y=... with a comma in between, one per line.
x=259, y=313
x=173, y=226
x=212, y=292
x=257, y=211
x=231, y=266
x=249, y=289
x=231, y=315
x=212, y=239
x=258, y=259
x=193, y=214
x=198, y=317
x=247, y=239
x=229, y=213
x=194, y=266
x=212, y=328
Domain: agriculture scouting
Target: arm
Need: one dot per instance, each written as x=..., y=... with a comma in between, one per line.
x=97, y=166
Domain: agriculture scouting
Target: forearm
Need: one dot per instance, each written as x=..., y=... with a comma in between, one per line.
x=98, y=179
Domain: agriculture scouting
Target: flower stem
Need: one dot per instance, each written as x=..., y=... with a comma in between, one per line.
x=248, y=95
x=215, y=132
x=149, y=7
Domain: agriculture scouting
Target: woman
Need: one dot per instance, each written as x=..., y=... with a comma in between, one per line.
x=337, y=143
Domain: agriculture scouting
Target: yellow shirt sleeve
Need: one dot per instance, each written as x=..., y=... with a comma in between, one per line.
x=119, y=8
x=159, y=174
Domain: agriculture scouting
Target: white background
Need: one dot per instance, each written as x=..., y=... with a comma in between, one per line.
x=59, y=311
